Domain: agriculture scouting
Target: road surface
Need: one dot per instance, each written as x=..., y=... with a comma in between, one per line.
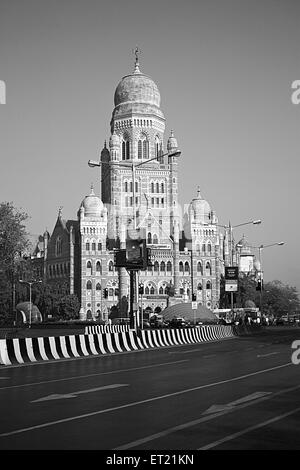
x=240, y=393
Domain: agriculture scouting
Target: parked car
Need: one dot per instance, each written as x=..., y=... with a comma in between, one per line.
x=178, y=322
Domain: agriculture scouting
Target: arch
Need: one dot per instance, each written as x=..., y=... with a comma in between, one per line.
x=89, y=315
x=208, y=268
x=110, y=266
x=94, y=246
x=180, y=266
x=98, y=286
x=169, y=266
x=186, y=267
x=152, y=187
x=156, y=266
x=162, y=187
x=155, y=239
x=163, y=266
x=149, y=238
x=157, y=187
x=208, y=285
x=87, y=246
x=89, y=285
x=89, y=269
x=161, y=290
x=98, y=268
x=209, y=247
x=199, y=268
x=199, y=287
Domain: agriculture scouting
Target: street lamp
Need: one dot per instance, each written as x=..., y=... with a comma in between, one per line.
x=230, y=228
x=260, y=248
x=133, y=167
x=30, y=283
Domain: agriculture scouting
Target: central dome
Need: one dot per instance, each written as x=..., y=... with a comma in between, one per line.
x=137, y=94
x=137, y=88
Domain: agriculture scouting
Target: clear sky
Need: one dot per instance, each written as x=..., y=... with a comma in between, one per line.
x=224, y=69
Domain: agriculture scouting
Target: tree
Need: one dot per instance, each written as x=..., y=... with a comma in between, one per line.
x=69, y=307
x=13, y=244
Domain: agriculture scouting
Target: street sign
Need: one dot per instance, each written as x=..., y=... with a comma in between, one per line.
x=231, y=273
x=194, y=305
x=231, y=286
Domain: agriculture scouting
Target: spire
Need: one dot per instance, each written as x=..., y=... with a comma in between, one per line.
x=60, y=211
x=136, y=52
x=199, y=193
x=92, y=190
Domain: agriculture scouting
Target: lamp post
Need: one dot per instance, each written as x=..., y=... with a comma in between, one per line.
x=30, y=283
x=230, y=228
x=260, y=248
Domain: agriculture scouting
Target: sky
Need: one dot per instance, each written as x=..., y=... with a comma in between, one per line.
x=224, y=69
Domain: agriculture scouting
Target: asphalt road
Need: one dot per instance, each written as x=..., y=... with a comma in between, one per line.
x=240, y=393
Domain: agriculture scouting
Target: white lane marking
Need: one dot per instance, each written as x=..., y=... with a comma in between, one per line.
x=58, y=396
x=149, y=400
x=227, y=406
x=94, y=375
x=251, y=428
x=138, y=442
x=269, y=354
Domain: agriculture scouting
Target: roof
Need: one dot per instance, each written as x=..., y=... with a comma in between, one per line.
x=185, y=310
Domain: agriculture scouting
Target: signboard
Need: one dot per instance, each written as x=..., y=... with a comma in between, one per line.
x=231, y=273
x=231, y=278
x=231, y=286
x=194, y=305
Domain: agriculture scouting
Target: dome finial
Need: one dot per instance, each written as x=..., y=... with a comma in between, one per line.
x=92, y=190
x=136, y=52
x=199, y=193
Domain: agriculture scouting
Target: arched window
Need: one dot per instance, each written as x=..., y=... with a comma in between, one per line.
x=126, y=187
x=152, y=187
x=88, y=268
x=162, y=187
x=161, y=291
x=169, y=266
x=89, y=315
x=99, y=246
x=186, y=267
x=147, y=290
x=123, y=150
x=155, y=239
x=152, y=290
x=208, y=285
x=110, y=266
x=203, y=247
x=198, y=249
x=87, y=246
x=58, y=246
x=98, y=313
x=208, y=269
x=199, y=268
x=98, y=286
x=163, y=266
x=139, y=149
x=145, y=149
x=199, y=287
x=209, y=248
x=149, y=238
x=89, y=285
x=156, y=266
x=157, y=147
x=131, y=186
x=93, y=246
x=98, y=268
x=136, y=186
x=127, y=150
x=157, y=187
x=110, y=292
x=181, y=267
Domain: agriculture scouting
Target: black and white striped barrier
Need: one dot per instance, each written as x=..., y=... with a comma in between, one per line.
x=95, y=329
x=22, y=350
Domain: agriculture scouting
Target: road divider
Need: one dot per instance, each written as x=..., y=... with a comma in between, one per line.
x=23, y=350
